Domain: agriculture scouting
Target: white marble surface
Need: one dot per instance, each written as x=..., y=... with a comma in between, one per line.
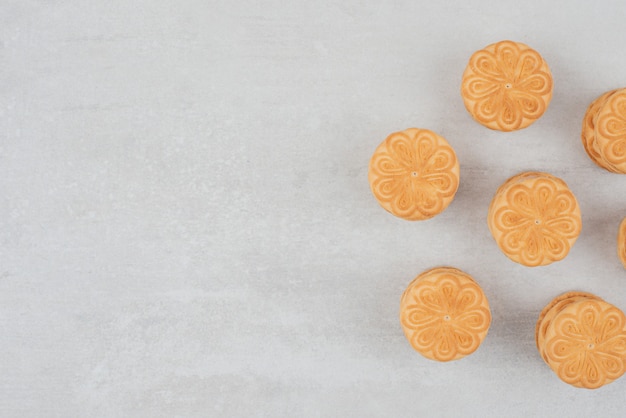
x=186, y=227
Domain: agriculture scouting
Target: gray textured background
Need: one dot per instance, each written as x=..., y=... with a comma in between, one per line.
x=186, y=227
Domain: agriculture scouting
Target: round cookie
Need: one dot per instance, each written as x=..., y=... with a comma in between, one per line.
x=610, y=130
x=414, y=174
x=506, y=86
x=444, y=314
x=621, y=242
x=534, y=218
x=588, y=134
x=583, y=339
x=549, y=312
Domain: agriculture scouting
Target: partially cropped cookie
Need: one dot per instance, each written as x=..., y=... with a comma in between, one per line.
x=583, y=339
x=621, y=242
x=534, y=218
x=588, y=134
x=506, y=86
x=604, y=131
x=414, y=174
x=444, y=314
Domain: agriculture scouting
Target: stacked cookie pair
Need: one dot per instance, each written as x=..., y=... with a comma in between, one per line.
x=583, y=339
x=604, y=131
x=534, y=218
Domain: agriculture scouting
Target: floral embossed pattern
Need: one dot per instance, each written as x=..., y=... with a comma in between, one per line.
x=583, y=340
x=549, y=312
x=535, y=219
x=444, y=314
x=414, y=174
x=506, y=86
x=610, y=130
x=588, y=134
x=621, y=242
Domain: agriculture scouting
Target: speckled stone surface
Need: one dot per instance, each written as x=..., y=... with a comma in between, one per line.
x=187, y=229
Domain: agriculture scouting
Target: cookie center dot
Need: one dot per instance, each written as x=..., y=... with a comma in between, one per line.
x=414, y=174
x=508, y=85
x=446, y=318
x=537, y=221
x=590, y=346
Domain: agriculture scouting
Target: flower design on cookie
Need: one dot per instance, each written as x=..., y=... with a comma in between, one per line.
x=535, y=220
x=588, y=134
x=611, y=130
x=445, y=314
x=587, y=347
x=506, y=86
x=414, y=174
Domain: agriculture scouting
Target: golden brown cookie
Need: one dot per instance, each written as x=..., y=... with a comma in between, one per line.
x=610, y=130
x=414, y=174
x=444, y=314
x=534, y=218
x=588, y=134
x=506, y=86
x=549, y=312
x=621, y=242
x=583, y=339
